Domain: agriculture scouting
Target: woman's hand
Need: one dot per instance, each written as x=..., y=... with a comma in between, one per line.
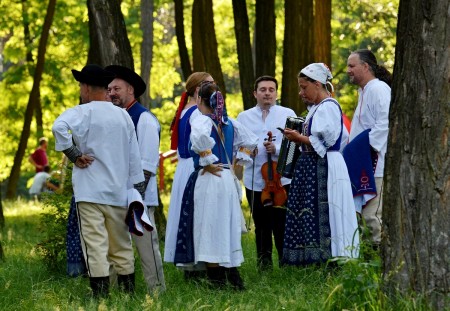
x=293, y=135
x=213, y=169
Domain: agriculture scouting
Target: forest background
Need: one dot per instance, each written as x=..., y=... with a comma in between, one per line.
x=354, y=25
x=237, y=41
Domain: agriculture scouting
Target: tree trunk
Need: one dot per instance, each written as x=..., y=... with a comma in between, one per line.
x=109, y=44
x=32, y=102
x=297, y=53
x=244, y=51
x=146, y=47
x=322, y=32
x=179, y=30
x=265, y=40
x=205, y=43
x=198, y=59
x=416, y=212
x=29, y=64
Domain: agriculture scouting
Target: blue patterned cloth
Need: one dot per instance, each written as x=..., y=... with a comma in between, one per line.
x=75, y=259
x=307, y=237
x=184, y=252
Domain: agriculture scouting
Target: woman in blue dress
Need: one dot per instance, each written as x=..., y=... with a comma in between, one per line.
x=321, y=218
x=210, y=224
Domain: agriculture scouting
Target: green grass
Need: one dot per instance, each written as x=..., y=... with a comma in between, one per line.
x=27, y=284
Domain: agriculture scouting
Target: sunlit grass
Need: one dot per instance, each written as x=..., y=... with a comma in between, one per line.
x=26, y=283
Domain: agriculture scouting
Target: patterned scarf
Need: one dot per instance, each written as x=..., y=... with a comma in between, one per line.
x=218, y=105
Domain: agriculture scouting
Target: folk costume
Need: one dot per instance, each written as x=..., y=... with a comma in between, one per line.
x=372, y=113
x=321, y=220
x=268, y=220
x=106, y=133
x=180, y=141
x=148, y=135
x=210, y=223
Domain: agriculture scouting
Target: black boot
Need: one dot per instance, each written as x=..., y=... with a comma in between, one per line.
x=99, y=286
x=126, y=283
x=234, y=278
x=216, y=276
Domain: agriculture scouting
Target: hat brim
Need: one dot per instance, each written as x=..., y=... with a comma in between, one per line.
x=130, y=76
x=91, y=80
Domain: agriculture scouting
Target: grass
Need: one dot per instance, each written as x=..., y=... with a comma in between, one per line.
x=26, y=283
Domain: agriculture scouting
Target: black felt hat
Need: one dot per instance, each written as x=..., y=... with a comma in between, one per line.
x=130, y=76
x=93, y=75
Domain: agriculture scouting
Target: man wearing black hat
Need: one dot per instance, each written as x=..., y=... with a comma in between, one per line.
x=124, y=91
x=100, y=140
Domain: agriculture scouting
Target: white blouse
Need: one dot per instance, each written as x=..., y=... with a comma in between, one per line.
x=201, y=140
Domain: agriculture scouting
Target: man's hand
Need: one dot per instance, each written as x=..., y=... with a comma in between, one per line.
x=270, y=147
x=84, y=161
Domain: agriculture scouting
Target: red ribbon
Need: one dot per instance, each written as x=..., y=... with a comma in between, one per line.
x=176, y=121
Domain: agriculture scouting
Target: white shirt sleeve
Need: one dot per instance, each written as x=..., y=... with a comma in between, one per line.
x=245, y=141
x=379, y=101
x=202, y=141
x=326, y=127
x=148, y=140
x=69, y=120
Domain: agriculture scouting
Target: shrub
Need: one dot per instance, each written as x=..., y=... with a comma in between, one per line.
x=53, y=224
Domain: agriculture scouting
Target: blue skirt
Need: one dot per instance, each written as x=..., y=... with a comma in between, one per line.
x=307, y=237
x=75, y=259
x=184, y=251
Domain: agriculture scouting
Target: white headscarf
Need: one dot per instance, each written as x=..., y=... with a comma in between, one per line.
x=318, y=72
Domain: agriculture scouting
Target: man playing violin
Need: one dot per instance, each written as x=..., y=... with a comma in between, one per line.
x=269, y=219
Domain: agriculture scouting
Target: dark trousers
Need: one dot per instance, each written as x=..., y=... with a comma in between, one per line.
x=268, y=221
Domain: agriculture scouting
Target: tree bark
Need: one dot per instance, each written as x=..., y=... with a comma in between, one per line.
x=205, y=43
x=322, y=32
x=32, y=102
x=182, y=48
x=417, y=181
x=109, y=44
x=265, y=40
x=29, y=64
x=297, y=53
x=244, y=51
x=198, y=58
x=147, y=7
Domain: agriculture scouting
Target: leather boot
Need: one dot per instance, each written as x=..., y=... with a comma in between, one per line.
x=99, y=286
x=234, y=278
x=126, y=283
x=216, y=276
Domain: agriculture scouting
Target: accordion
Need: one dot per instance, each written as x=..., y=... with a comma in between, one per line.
x=289, y=151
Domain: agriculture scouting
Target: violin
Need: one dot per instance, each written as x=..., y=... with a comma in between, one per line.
x=273, y=193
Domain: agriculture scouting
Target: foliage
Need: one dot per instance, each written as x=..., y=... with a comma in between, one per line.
x=358, y=285
x=362, y=24
x=53, y=225
x=355, y=24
